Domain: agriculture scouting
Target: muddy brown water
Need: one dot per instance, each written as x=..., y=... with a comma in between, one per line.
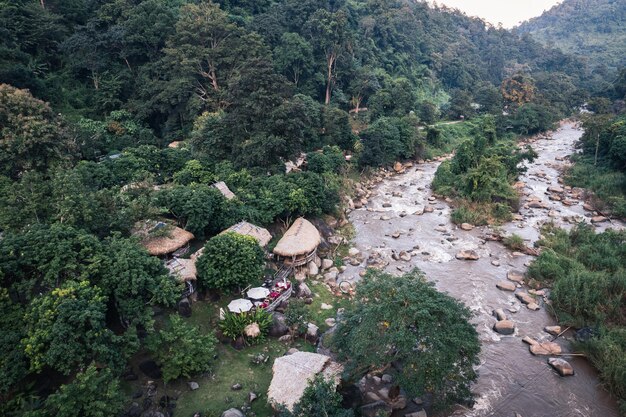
x=511, y=380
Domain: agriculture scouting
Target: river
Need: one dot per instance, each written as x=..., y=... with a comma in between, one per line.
x=511, y=380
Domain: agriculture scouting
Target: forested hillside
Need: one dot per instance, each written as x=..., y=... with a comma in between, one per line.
x=117, y=112
x=589, y=28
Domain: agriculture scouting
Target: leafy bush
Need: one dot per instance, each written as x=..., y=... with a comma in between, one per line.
x=230, y=260
x=319, y=399
x=607, y=352
x=181, y=349
x=297, y=316
x=588, y=275
x=233, y=325
x=330, y=160
x=407, y=321
x=93, y=393
x=514, y=242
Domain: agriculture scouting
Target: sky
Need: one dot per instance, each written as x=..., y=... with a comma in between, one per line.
x=507, y=12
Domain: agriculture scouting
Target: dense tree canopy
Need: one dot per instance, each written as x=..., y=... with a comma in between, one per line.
x=405, y=320
x=229, y=261
x=114, y=112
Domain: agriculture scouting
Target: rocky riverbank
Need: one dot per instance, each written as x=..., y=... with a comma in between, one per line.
x=400, y=225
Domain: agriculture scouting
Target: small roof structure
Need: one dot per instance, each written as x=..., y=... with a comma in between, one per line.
x=160, y=238
x=258, y=293
x=240, y=305
x=263, y=236
x=183, y=269
x=292, y=374
x=175, y=144
x=223, y=188
x=301, y=239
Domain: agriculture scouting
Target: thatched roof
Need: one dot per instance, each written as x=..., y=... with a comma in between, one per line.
x=223, y=188
x=175, y=144
x=261, y=235
x=292, y=374
x=301, y=238
x=183, y=269
x=160, y=238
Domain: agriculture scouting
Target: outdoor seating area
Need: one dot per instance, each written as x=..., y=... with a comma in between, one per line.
x=267, y=297
x=298, y=246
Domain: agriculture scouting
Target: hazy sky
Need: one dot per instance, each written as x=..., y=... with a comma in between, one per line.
x=507, y=12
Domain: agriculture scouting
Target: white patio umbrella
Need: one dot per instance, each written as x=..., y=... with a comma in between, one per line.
x=258, y=293
x=240, y=305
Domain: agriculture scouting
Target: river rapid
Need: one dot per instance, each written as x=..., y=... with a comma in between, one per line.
x=511, y=380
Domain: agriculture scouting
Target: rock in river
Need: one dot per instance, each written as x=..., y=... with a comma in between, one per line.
x=506, y=286
x=525, y=298
x=467, y=255
x=545, y=349
x=466, y=226
x=553, y=330
x=504, y=327
x=561, y=366
x=515, y=276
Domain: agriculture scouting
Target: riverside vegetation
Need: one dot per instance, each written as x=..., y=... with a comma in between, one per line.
x=92, y=93
x=586, y=271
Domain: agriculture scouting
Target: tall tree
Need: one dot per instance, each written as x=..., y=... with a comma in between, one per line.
x=329, y=33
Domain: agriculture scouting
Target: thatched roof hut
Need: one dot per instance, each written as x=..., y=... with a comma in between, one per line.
x=292, y=374
x=261, y=235
x=223, y=188
x=183, y=269
x=160, y=238
x=175, y=144
x=302, y=238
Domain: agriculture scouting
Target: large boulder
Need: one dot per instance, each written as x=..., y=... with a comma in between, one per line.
x=505, y=327
x=313, y=268
x=561, y=366
x=467, y=255
x=292, y=373
x=279, y=327
x=304, y=291
x=545, y=349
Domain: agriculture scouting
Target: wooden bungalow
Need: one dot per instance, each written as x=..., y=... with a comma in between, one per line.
x=298, y=246
x=160, y=238
x=261, y=235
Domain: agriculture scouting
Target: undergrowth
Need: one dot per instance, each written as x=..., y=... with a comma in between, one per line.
x=587, y=273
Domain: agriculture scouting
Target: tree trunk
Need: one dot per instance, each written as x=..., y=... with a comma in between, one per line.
x=213, y=78
x=329, y=80
x=43, y=4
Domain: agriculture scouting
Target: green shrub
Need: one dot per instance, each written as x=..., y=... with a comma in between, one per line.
x=181, y=350
x=607, y=352
x=230, y=260
x=465, y=214
x=319, y=399
x=297, y=316
x=514, y=242
x=588, y=273
x=233, y=325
